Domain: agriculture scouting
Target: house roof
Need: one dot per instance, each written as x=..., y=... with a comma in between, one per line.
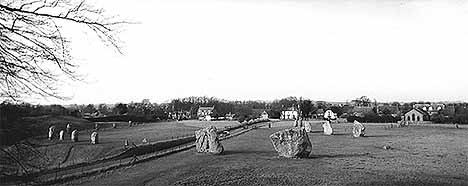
x=206, y=108
x=418, y=110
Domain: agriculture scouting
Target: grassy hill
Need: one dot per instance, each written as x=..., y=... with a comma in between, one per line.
x=28, y=127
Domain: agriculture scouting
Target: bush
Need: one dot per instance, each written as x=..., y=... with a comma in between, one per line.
x=459, y=118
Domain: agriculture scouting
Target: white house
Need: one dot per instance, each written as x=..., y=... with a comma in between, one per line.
x=289, y=115
x=264, y=115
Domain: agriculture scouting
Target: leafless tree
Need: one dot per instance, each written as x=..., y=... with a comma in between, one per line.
x=34, y=55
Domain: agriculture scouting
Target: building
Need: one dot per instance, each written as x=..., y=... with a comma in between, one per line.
x=290, y=114
x=431, y=109
x=230, y=116
x=416, y=115
x=203, y=112
x=361, y=111
x=318, y=114
x=264, y=115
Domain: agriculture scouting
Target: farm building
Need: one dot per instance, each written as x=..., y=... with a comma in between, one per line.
x=318, y=114
x=416, y=115
x=431, y=109
x=290, y=114
x=203, y=112
x=264, y=115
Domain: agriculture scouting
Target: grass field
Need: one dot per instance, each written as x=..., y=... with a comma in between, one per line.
x=63, y=153
x=419, y=155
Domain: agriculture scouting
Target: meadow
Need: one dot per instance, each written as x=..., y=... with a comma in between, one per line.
x=416, y=155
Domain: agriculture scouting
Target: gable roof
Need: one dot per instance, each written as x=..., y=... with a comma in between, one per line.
x=206, y=108
x=418, y=110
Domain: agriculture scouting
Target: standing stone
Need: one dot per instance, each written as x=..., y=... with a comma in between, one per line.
x=126, y=142
x=295, y=123
x=74, y=136
x=51, y=132
x=94, y=138
x=69, y=128
x=129, y=123
x=358, y=129
x=207, y=141
x=300, y=123
x=144, y=140
x=61, y=135
x=290, y=143
x=96, y=126
x=308, y=127
x=114, y=125
x=327, y=129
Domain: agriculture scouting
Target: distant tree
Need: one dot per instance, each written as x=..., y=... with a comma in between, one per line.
x=120, y=109
x=363, y=101
x=103, y=109
x=338, y=110
x=89, y=109
x=35, y=53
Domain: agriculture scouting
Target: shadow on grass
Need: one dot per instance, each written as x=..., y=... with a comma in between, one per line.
x=342, y=134
x=377, y=136
x=317, y=156
x=230, y=152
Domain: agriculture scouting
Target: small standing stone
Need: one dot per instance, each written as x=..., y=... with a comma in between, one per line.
x=144, y=140
x=327, y=129
x=51, y=132
x=308, y=127
x=61, y=135
x=129, y=123
x=114, y=125
x=69, y=127
x=126, y=143
x=74, y=136
x=94, y=138
x=96, y=126
x=358, y=129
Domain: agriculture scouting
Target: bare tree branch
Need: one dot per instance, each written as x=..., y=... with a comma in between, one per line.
x=33, y=51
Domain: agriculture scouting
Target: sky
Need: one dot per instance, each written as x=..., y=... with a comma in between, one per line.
x=388, y=50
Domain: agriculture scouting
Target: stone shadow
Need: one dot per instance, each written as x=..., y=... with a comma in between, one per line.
x=318, y=156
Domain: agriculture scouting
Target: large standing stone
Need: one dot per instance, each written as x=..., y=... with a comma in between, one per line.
x=207, y=141
x=51, y=132
x=327, y=129
x=94, y=138
x=358, y=129
x=290, y=143
x=61, y=135
x=308, y=127
x=74, y=136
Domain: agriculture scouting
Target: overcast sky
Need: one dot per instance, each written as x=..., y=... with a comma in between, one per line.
x=263, y=50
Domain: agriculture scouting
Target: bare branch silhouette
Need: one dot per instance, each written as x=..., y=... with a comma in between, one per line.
x=33, y=51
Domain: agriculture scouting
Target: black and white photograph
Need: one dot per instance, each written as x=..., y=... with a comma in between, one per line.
x=234, y=92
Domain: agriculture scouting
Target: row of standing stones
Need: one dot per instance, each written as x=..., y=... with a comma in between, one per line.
x=291, y=143
x=295, y=143
x=73, y=135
